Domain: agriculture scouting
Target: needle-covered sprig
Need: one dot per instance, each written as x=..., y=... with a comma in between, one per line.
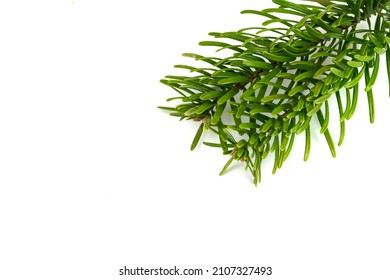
x=280, y=76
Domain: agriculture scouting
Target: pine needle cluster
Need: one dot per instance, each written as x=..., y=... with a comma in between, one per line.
x=280, y=77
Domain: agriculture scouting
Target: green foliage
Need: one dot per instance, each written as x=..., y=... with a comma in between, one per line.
x=280, y=77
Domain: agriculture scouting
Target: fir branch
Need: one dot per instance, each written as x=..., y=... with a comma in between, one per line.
x=281, y=75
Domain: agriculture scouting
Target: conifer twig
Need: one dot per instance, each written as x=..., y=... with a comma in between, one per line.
x=280, y=76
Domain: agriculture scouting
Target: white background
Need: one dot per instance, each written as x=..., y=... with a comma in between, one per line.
x=94, y=177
